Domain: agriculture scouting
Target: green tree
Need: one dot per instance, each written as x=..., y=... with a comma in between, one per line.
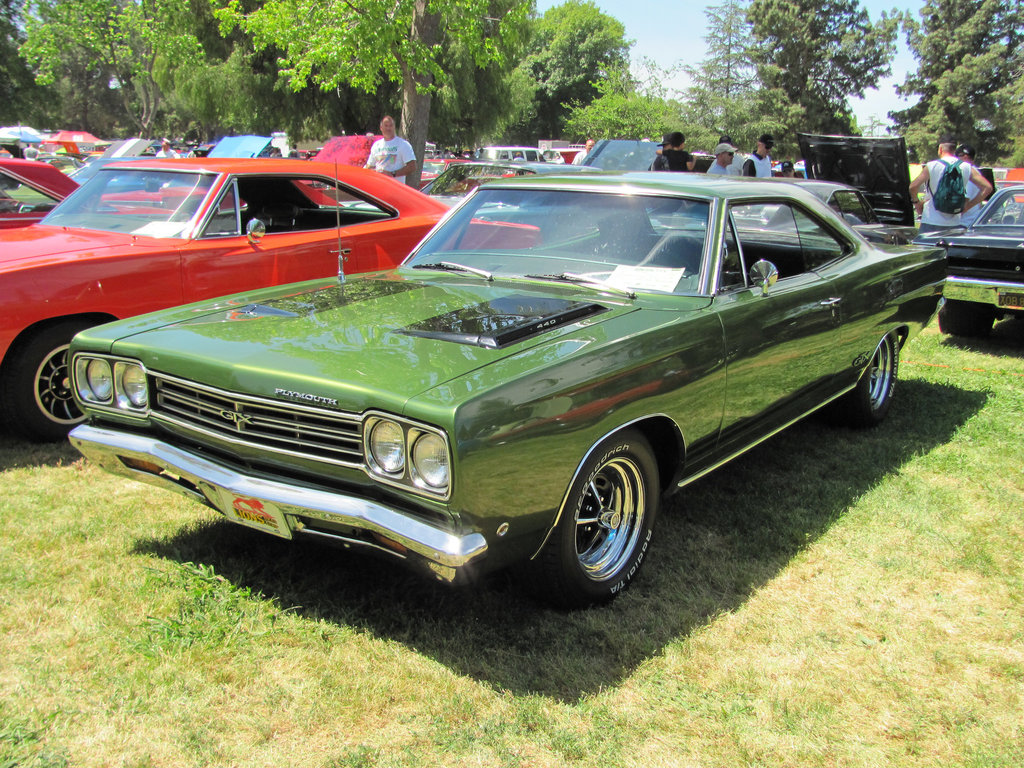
x=623, y=110
x=970, y=63
x=815, y=55
x=122, y=38
x=573, y=47
x=21, y=98
x=366, y=42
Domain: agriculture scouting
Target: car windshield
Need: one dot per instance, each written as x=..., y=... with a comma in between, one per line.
x=460, y=179
x=136, y=201
x=1003, y=211
x=631, y=242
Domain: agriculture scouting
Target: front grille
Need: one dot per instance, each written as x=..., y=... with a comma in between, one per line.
x=296, y=430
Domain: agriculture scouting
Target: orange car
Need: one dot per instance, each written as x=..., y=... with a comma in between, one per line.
x=144, y=235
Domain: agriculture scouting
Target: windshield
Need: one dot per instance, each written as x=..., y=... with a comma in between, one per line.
x=1003, y=211
x=632, y=242
x=135, y=201
x=459, y=180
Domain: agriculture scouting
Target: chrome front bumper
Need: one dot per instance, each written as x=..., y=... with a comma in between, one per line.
x=276, y=507
x=995, y=292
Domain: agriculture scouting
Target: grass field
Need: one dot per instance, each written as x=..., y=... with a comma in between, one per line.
x=834, y=598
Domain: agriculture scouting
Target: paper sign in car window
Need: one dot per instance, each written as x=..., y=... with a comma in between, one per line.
x=160, y=229
x=645, y=278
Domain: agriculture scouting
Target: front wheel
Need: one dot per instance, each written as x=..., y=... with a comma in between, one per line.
x=36, y=385
x=605, y=525
x=868, y=403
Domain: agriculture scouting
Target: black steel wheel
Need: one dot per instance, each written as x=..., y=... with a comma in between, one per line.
x=605, y=525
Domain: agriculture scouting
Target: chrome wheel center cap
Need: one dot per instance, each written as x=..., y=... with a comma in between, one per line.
x=610, y=518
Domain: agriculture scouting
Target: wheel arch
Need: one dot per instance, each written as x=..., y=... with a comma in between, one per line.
x=85, y=318
x=667, y=443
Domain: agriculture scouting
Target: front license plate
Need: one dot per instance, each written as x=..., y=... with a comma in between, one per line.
x=1011, y=299
x=255, y=513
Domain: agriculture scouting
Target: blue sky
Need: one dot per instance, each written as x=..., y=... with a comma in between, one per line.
x=674, y=34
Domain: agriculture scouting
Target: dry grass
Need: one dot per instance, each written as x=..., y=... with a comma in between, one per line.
x=835, y=598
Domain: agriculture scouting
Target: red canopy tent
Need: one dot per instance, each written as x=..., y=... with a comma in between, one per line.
x=75, y=142
x=346, y=150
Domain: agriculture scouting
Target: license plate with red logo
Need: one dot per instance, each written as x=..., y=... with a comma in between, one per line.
x=255, y=513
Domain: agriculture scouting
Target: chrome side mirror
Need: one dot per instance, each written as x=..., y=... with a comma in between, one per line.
x=764, y=274
x=255, y=230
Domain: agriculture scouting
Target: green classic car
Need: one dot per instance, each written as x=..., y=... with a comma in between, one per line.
x=555, y=357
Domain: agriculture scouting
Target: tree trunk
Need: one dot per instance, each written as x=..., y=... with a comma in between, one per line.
x=416, y=97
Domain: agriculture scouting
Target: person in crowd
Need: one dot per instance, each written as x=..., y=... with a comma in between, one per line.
x=933, y=219
x=759, y=164
x=672, y=156
x=31, y=153
x=966, y=153
x=723, y=165
x=738, y=158
x=391, y=155
x=166, y=150
x=786, y=170
x=581, y=156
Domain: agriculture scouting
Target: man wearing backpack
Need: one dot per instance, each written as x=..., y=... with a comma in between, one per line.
x=945, y=180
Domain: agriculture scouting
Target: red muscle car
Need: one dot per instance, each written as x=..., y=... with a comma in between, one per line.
x=145, y=235
x=29, y=189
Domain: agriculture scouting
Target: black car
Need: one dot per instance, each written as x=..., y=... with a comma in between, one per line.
x=986, y=266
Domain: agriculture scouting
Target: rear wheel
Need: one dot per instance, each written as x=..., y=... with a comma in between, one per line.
x=868, y=403
x=36, y=385
x=966, y=318
x=605, y=526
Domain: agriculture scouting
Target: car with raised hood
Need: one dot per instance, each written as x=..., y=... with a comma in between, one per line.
x=876, y=165
x=148, y=234
x=986, y=266
x=29, y=189
x=555, y=357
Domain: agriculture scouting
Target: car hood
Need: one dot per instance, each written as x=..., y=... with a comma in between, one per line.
x=39, y=242
x=373, y=341
x=875, y=165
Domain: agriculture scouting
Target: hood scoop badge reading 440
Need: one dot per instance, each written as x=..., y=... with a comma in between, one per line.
x=503, y=321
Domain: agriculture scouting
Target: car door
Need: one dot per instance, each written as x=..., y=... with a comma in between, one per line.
x=302, y=241
x=781, y=346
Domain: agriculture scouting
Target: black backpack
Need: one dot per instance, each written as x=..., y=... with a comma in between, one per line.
x=951, y=194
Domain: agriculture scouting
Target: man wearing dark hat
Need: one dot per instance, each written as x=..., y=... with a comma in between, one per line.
x=966, y=153
x=760, y=163
x=672, y=156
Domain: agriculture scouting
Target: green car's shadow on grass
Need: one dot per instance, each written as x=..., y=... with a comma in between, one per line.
x=716, y=542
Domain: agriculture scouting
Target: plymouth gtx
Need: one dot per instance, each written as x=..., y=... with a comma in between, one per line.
x=557, y=355
x=149, y=234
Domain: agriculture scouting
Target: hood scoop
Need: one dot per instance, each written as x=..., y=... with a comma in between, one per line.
x=502, y=321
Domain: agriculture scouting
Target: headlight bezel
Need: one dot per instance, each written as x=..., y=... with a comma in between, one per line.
x=410, y=476
x=131, y=398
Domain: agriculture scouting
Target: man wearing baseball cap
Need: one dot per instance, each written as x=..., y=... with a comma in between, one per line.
x=723, y=166
x=760, y=163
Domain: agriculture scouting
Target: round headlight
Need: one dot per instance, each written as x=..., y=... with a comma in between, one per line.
x=430, y=460
x=133, y=384
x=98, y=380
x=387, y=446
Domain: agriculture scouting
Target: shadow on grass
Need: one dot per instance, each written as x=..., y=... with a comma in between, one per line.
x=16, y=453
x=715, y=543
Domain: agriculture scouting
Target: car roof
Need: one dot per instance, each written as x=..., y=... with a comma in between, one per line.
x=699, y=184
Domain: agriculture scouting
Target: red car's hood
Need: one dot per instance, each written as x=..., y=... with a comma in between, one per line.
x=38, y=243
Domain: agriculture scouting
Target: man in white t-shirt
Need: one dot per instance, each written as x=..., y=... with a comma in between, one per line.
x=933, y=219
x=391, y=155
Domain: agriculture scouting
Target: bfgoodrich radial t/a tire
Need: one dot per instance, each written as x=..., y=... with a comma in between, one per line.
x=868, y=403
x=605, y=526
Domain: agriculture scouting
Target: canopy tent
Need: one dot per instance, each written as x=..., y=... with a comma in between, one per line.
x=21, y=133
x=240, y=146
x=77, y=142
x=346, y=150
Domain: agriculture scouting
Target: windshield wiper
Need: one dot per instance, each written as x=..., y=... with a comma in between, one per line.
x=590, y=282
x=451, y=266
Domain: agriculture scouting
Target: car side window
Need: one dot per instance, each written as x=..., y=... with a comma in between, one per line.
x=733, y=273
x=851, y=206
x=819, y=246
x=225, y=218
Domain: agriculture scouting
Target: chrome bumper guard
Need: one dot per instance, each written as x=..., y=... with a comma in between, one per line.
x=995, y=292
x=165, y=466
